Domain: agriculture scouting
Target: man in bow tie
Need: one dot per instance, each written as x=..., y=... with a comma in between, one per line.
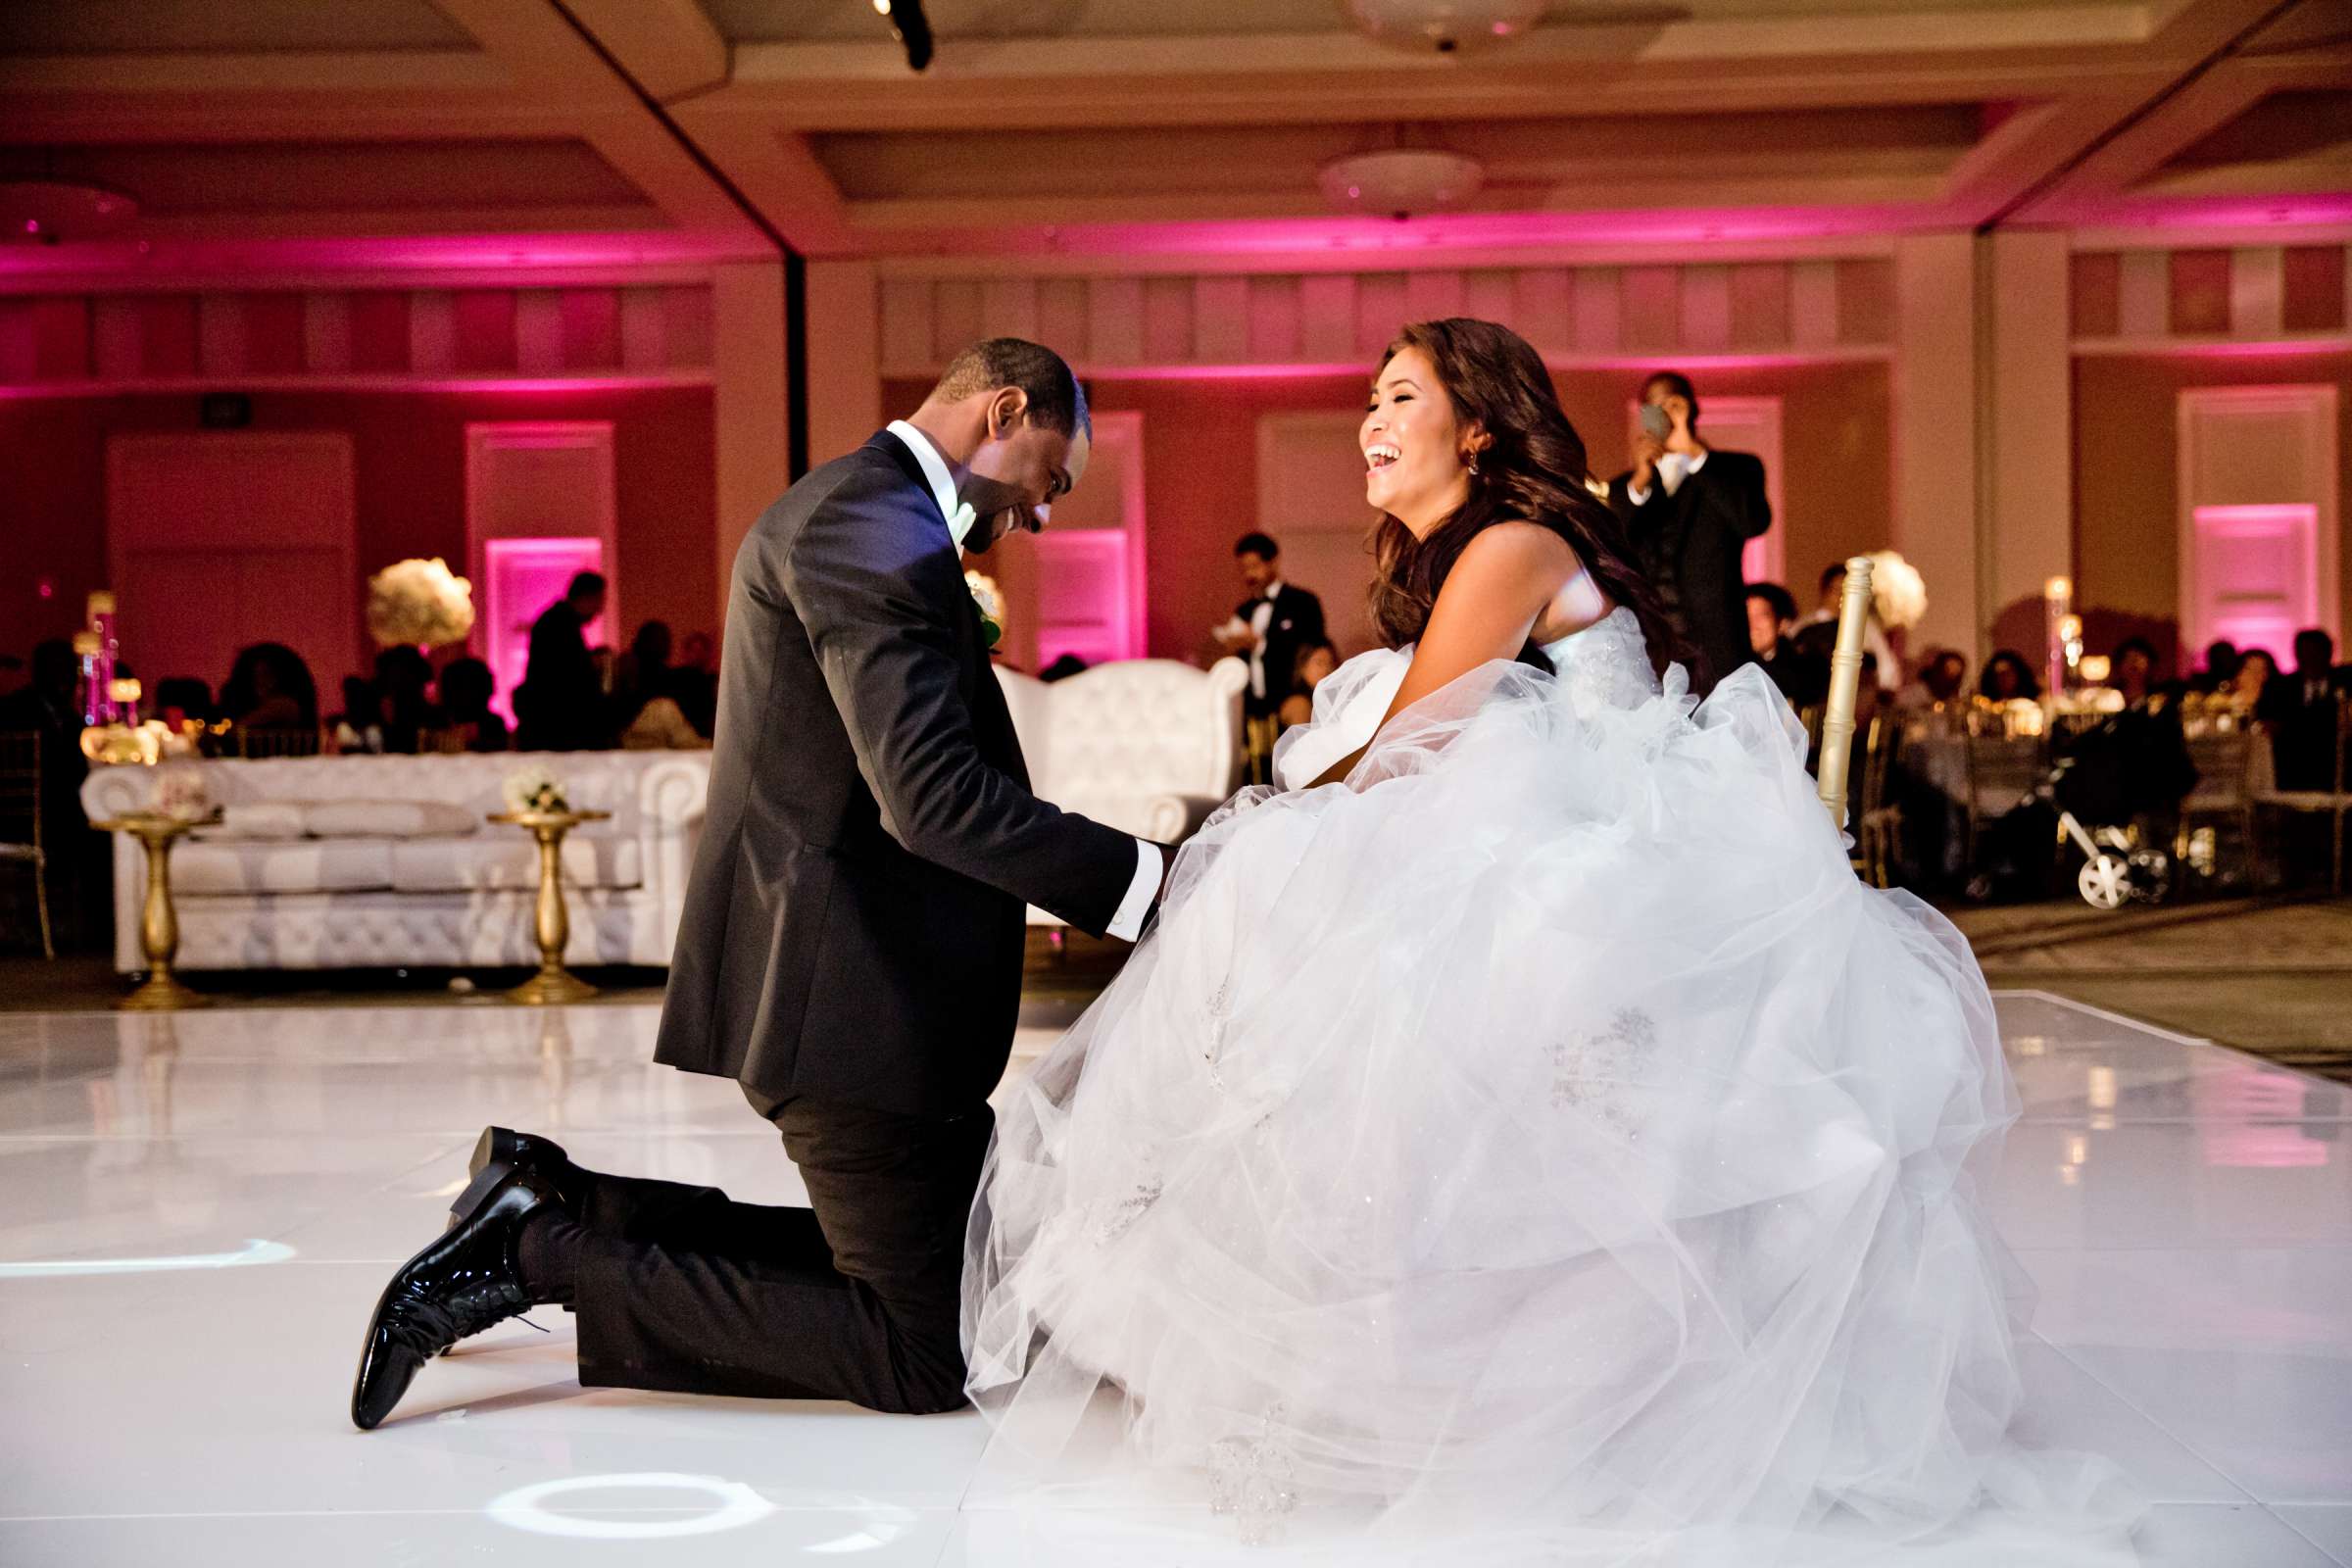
x=1690, y=511
x=850, y=952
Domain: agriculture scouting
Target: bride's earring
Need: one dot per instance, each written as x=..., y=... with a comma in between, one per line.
x=1473, y=463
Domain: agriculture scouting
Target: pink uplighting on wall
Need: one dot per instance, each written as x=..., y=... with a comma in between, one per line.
x=2256, y=567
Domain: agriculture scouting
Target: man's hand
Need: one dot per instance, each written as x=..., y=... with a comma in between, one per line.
x=1680, y=438
x=1647, y=450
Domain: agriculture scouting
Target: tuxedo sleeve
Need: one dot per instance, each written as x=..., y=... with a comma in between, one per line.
x=1742, y=505
x=1311, y=620
x=1637, y=514
x=877, y=589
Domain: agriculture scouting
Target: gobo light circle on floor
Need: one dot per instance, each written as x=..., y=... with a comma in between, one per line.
x=737, y=1505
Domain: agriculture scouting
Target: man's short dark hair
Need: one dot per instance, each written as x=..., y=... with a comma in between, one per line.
x=584, y=584
x=2134, y=645
x=1834, y=571
x=1055, y=399
x=1259, y=544
x=1675, y=383
x=1782, y=601
x=2313, y=646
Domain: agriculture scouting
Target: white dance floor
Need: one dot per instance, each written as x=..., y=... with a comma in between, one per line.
x=197, y=1213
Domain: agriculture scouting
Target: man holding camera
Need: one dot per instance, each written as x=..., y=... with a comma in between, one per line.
x=1690, y=511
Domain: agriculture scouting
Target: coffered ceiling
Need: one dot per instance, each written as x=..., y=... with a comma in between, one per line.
x=707, y=128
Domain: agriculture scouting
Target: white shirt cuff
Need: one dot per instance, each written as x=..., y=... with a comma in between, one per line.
x=1640, y=498
x=1128, y=923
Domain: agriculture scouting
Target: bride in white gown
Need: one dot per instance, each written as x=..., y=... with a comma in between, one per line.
x=1522, y=1131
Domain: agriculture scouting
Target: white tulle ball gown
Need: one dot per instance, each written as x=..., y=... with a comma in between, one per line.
x=1548, y=1153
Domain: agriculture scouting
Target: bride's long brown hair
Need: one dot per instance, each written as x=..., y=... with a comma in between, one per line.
x=1534, y=473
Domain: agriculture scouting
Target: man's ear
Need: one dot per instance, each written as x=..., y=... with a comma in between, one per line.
x=1005, y=411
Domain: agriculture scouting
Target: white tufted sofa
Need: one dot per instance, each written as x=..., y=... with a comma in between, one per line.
x=1148, y=746
x=457, y=899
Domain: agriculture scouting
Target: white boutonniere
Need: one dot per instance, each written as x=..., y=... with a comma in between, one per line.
x=991, y=600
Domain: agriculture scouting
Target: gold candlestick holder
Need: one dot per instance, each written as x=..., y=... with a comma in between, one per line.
x=159, y=921
x=553, y=984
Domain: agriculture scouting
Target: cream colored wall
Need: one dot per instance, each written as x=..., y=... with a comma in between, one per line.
x=752, y=406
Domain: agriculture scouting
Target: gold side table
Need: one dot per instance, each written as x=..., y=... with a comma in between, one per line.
x=159, y=922
x=552, y=983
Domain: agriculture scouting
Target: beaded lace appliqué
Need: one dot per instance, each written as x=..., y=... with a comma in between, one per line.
x=1254, y=1478
x=1596, y=1067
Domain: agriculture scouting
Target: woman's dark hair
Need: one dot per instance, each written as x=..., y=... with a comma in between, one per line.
x=241, y=694
x=1307, y=651
x=467, y=687
x=2008, y=659
x=651, y=649
x=1534, y=473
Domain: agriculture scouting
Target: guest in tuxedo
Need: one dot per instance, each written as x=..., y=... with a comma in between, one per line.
x=560, y=707
x=2007, y=677
x=1819, y=633
x=2300, y=711
x=1690, y=511
x=1803, y=677
x=1269, y=626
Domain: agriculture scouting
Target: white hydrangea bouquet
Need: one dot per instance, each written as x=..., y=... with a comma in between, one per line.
x=532, y=788
x=421, y=603
x=1898, y=595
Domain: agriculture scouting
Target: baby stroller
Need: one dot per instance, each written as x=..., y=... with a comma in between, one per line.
x=2115, y=784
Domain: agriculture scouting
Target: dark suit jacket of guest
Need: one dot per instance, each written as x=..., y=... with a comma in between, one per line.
x=1802, y=676
x=1296, y=624
x=2303, y=733
x=856, y=918
x=560, y=707
x=1697, y=535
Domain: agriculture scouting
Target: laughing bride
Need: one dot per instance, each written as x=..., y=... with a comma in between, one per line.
x=1523, y=1131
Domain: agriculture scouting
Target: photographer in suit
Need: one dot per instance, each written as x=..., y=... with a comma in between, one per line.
x=1270, y=626
x=1691, y=509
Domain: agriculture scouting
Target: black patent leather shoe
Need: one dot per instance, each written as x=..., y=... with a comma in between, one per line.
x=502, y=1148
x=469, y=1279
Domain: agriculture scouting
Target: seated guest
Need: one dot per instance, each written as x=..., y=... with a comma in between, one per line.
x=1819, y=633
x=560, y=707
x=643, y=673
x=270, y=687
x=695, y=682
x=2131, y=669
x=2007, y=679
x=2221, y=666
x=1942, y=679
x=2301, y=712
x=1803, y=677
x=1316, y=661
x=13, y=676
x=180, y=697
x=403, y=677
x=359, y=728
x=660, y=725
x=2257, y=671
x=468, y=722
x=1062, y=668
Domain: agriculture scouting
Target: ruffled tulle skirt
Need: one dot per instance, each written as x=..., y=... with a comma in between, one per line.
x=1548, y=1151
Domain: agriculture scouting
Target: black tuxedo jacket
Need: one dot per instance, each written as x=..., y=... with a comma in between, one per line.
x=854, y=920
x=1296, y=622
x=1690, y=543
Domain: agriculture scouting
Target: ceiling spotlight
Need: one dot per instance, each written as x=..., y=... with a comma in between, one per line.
x=48, y=211
x=1442, y=26
x=910, y=27
x=1400, y=182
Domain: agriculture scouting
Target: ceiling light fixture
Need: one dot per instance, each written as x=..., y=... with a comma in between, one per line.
x=1400, y=182
x=51, y=212
x=1442, y=26
x=910, y=27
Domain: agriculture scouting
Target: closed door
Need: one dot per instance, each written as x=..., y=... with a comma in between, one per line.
x=217, y=541
x=540, y=506
x=2258, y=514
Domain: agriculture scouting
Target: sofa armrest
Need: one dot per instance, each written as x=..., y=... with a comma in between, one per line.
x=1173, y=818
x=115, y=789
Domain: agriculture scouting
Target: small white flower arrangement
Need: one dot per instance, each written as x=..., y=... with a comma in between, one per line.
x=534, y=789
x=181, y=794
x=991, y=600
x=421, y=603
x=1898, y=595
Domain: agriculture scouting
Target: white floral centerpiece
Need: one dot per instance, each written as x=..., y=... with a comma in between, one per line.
x=533, y=788
x=991, y=600
x=421, y=603
x=181, y=794
x=1898, y=595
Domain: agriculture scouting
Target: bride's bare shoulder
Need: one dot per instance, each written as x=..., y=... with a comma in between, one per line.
x=1526, y=554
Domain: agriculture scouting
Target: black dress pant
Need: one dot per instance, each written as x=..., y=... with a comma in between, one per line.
x=855, y=1297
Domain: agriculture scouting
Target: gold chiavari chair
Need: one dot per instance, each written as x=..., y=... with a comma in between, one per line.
x=1880, y=834
x=21, y=821
x=288, y=741
x=1845, y=687
x=2228, y=764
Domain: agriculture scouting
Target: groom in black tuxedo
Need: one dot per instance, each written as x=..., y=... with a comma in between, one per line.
x=1690, y=511
x=851, y=951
